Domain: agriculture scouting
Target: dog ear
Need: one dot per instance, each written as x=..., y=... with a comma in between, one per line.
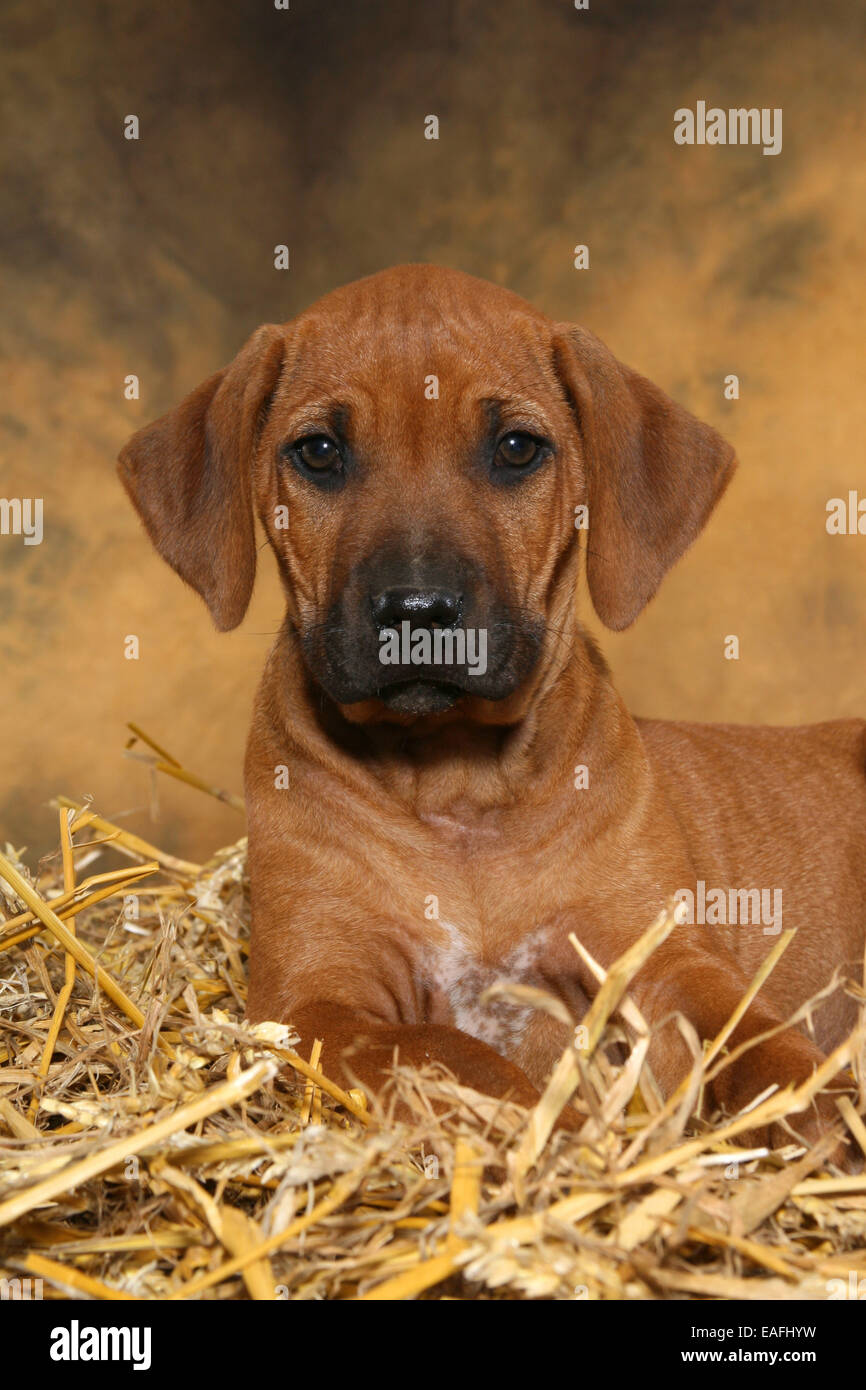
x=189, y=476
x=653, y=474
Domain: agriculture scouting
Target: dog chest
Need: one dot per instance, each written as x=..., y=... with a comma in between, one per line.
x=455, y=977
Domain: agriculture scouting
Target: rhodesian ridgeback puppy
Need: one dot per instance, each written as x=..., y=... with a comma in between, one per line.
x=418, y=447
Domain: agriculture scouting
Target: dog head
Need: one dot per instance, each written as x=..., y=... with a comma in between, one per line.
x=418, y=447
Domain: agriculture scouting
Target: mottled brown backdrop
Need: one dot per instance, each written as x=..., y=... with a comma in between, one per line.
x=306, y=127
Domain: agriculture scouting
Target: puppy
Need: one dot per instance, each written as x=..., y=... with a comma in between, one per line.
x=421, y=449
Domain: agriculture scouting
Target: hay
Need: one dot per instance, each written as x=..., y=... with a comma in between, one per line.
x=154, y=1146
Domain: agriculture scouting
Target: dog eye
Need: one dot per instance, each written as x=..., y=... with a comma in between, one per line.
x=517, y=449
x=318, y=453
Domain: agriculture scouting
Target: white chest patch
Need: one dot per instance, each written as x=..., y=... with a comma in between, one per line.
x=457, y=978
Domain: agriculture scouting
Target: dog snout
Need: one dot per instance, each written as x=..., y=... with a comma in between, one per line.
x=427, y=607
x=417, y=627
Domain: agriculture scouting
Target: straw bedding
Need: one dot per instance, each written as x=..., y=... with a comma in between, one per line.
x=154, y=1146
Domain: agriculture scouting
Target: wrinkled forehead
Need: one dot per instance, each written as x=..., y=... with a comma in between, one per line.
x=389, y=367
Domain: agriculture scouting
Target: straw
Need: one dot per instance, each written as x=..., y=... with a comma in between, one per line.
x=224, y=1162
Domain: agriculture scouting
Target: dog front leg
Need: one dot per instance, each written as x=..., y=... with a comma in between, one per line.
x=707, y=989
x=358, y=1049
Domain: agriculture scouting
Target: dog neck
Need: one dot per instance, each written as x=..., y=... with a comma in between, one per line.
x=466, y=772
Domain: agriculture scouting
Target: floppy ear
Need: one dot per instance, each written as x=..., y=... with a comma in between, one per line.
x=189, y=476
x=654, y=474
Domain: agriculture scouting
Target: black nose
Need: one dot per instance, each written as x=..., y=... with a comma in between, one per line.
x=429, y=607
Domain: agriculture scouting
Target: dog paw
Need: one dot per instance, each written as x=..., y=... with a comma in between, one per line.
x=812, y=1125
